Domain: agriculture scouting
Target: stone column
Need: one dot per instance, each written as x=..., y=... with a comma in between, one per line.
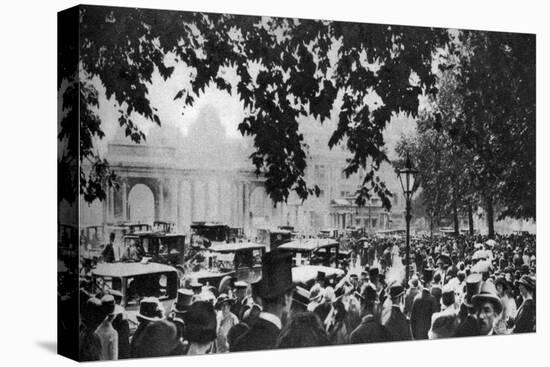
x=124, y=192
x=192, y=200
x=173, y=197
x=111, y=204
x=161, y=200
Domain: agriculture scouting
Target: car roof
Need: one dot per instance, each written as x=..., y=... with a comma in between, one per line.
x=308, y=244
x=233, y=247
x=123, y=270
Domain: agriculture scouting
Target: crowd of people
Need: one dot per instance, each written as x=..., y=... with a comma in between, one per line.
x=457, y=286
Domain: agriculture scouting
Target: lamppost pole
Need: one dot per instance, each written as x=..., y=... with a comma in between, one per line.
x=408, y=238
x=406, y=177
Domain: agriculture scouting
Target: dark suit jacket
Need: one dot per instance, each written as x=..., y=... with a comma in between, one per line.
x=526, y=317
x=122, y=327
x=369, y=331
x=398, y=325
x=262, y=335
x=468, y=327
x=421, y=314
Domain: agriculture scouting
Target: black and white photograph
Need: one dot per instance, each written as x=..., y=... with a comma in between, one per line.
x=233, y=183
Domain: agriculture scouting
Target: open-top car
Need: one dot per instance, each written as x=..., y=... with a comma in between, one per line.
x=313, y=251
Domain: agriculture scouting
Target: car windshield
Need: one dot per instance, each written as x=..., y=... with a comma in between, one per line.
x=160, y=285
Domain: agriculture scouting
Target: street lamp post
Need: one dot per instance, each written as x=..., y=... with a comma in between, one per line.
x=407, y=176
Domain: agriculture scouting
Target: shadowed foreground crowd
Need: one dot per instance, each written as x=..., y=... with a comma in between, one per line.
x=459, y=287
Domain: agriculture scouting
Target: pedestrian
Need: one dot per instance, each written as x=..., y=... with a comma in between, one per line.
x=397, y=324
x=488, y=308
x=445, y=322
x=121, y=325
x=108, y=253
x=226, y=320
x=241, y=299
x=370, y=330
x=201, y=328
x=468, y=320
x=106, y=332
x=150, y=310
x=159, y=338
x=89, y=341
x=526, y=316
x=275, y=290
x=423, y=308
x=509, y=309
x=303, y=330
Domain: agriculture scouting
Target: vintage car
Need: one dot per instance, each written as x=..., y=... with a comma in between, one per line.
x=313, y=251
x=164, y=248
x=136, y=281
x=213, y=231
x=239, y=261
x=329, y=233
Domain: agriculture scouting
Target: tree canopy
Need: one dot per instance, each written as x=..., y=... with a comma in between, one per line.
x=477, y=143
x=303, y=66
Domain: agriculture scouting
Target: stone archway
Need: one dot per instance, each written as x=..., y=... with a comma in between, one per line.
x=141, y=204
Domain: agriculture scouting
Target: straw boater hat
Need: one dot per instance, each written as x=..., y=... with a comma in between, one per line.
x=488, y=293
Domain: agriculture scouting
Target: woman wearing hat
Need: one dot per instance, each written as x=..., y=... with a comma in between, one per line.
x=509, y=310
x=526, y=317
x=226, y=320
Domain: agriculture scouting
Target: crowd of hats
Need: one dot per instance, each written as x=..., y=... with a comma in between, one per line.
x=464, y=271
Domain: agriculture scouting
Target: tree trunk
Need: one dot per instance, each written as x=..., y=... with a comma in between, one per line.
x=490, y=217
x=455, y=218
x=471, y=219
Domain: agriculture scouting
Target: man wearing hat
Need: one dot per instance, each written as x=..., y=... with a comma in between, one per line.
x=445, y=322
x=196, y=287
x=423, y=308
x=300, y=300
x=149, y=310
x=241, y=300
x=468, y=321
x=488, y=308
x=526, y=317
x=184, y=299
x=397, y=324
x=275, y=291
x=370, y=330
